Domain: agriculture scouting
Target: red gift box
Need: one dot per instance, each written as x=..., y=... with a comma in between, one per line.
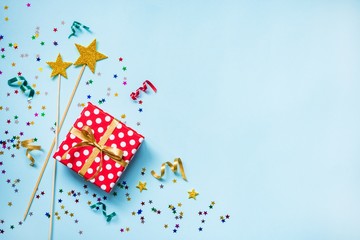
x=98, y=147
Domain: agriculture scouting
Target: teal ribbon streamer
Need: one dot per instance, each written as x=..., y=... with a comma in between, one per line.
x=77, y=25
x=24, y=85
x=108, y=217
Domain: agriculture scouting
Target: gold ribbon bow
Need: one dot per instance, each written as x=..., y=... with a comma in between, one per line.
x=88, y=139
x=173, y=167
x=27, y=144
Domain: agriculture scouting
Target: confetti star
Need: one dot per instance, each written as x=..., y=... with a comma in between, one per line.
x=124, y=68
x=88, y=55
x=59, y=67
x=193, y=194
x=141, y=186
x=28, y=5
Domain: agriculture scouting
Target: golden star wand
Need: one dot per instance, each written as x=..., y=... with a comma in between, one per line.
x=88, y=57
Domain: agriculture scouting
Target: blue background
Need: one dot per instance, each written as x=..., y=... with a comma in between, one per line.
x=259, y=99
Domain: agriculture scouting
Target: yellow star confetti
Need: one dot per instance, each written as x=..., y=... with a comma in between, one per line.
x=88, y=55
x=59, y=67
x=193, y=194
x=141, y=186
x=40, y=69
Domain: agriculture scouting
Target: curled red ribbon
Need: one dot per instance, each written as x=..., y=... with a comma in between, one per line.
x=135, y=94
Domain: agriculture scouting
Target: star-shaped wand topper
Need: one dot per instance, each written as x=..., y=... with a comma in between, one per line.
x=59, y=67
x=88, y=55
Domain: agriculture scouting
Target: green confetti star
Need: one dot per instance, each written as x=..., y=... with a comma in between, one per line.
x=42, y=43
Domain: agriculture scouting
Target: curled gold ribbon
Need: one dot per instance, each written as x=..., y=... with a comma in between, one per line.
x=173, y=167
x=27, y=144
x=88, y=139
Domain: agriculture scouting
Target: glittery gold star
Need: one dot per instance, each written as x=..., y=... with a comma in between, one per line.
x=59, y=67
x=193, y=194
x=88, y=55
x=141, y=186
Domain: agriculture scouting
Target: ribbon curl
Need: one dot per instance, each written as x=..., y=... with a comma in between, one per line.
x=24, y=86
x=108, y=217
x=77, y=25
x=27, y=144
x=173, y=167
x=135, y=94
x=88, y=139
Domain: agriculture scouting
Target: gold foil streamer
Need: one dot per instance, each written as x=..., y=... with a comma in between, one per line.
x=88, y=139
x=27, y=144
x=173, y=167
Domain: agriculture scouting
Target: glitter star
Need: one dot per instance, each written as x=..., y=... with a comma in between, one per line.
x=193, y=194
x=88, y=55
x=141, y=186
x=59, y=67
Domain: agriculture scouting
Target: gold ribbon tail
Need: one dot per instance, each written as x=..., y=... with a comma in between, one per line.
x=173, y=167
x=27, y=144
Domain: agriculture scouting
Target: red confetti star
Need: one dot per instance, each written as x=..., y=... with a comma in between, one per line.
x=19, y=73
x=120, y=59
x=28, y=5
x=55, y=29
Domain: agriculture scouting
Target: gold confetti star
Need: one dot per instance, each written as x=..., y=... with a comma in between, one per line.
x=141, y=186
x=40, y=69
x=123, y=115
x=133, y=213
x=6, y=19
x=179, y=204
x=174, y=180
x=127, y=229
x=59, y=67
x=43, y=107
x=193, y=194
x=6, y=7
x=116, y=94
x=88, y=55
x=166, y=226
x=13, y=64
x=9, y=204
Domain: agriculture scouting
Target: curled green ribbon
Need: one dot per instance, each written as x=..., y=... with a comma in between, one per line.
x=108, y=217
x=23, y=84
x=77, y=25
